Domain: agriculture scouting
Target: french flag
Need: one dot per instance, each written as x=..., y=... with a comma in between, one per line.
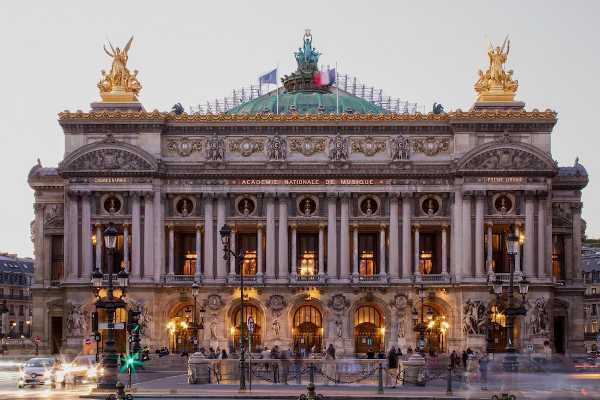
x=324, y=78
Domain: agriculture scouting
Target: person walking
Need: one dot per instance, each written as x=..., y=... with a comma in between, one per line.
x=453, y=360
x=483, y=370
x=392, y=365
x=465, y=357
x=330, y=366
x=275, y=356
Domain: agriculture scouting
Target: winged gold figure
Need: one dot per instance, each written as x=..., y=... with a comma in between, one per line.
x=119, y=85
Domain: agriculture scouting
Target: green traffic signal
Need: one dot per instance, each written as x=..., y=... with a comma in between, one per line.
x=130, y=362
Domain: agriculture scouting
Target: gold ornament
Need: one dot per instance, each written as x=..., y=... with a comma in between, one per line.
x=496, y=84
x=119, y=85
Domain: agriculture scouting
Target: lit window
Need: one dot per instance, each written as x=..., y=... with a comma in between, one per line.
x=307, y=254
x=367, y=245
x=247, y=245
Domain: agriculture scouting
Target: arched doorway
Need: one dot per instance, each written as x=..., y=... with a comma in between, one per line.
x=180, y=334
x=498, y=329
x=368, y=329
x=255, y=338
x=308, y=328
x=436, y=330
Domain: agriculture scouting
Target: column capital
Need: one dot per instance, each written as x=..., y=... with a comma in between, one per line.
x=85, y=194
x=73, y=194
x=345, y=195
x=530, y=194
x=383, y=226
x=445, y=227
x=416, y=226
x=98, y=225
x=260, y=226
x=148, y=195
x=282, y=196
x=488, y=224
x=393, y=195
x=479, y=194
x=355, y=226
x=208, y=195
x=126, y=225
x=199, y=227
x=270, y=195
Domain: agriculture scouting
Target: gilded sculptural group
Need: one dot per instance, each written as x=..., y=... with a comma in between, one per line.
x=497, y=84
x=119, y=84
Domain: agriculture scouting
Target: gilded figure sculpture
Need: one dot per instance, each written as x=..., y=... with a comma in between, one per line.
x=496, y=84
x=119, y=85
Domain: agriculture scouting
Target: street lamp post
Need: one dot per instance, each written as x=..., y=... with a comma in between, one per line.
x=225, y=233
x=110, y=357
x=421, y=326
x=195, y=327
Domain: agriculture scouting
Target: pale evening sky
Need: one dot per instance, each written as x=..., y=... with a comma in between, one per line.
x=191, y=52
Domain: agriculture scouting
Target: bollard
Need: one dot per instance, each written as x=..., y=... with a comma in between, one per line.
x=449, y=383
x=380, y=383
x=310, y=388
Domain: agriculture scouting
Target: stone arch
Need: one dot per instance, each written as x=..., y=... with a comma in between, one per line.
x=380, y=305
x=229, y=314
x=507, y=158
x=301, y=300
x=108, y=155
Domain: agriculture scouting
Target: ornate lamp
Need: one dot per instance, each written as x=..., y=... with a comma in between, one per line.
x=123, y=278
x=421, y=292
x=512, y=243
x=97, y=278
x=110, y=236
x=524, y=286
x=195, y=289
x=429, y=314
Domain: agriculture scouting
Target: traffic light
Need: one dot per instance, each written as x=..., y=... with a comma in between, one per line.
x=95, y=321
x=133, y=321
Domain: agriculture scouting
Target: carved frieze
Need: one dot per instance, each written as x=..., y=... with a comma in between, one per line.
x=276, y=302
x=339, y=302
x=399, y=148
x=54, y=217
x=246, y=146
x=276, y=148
x=506, y=158
x=338, y=148
x=307, y=146
x=538, y=318
x=369, y=146
x=214, y=302
x=215, y=148
x=430, y=146
x=184, y=146
x=110, y=159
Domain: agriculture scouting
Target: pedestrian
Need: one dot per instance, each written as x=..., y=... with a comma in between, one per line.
x=275, y=356
x=285, y=365
x=370, y=354
x=224, y=354
x=465, y=357
x=453, y=360
x=409, y=352
x=298, y=367
x=483, y=369
x=392, y=364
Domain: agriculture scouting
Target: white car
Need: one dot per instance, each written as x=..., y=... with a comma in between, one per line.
x=83, y=369
x=37, y=371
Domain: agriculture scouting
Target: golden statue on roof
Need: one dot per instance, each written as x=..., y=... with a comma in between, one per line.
x=496, y=84
x=119, y=85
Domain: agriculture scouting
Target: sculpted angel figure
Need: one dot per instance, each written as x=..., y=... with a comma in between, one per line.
x=497, y=58
x=119, y=76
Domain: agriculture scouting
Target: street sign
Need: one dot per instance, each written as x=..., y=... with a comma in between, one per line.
x=106, y=325
x=38, y=339
x=88, y=341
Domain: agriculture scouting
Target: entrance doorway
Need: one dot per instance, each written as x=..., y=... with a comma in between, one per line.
x=308, y=328
x=368, y=330
x=180, y=329
x=56, y=326
x=559, y=334
x=254, y=338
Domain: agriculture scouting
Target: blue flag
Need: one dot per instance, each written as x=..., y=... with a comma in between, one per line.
x=269, y=77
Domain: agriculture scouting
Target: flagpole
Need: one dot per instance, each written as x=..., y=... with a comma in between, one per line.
x=337, y=90
x=277, y=86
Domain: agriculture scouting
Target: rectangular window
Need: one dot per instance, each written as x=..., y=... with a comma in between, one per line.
x=21, y=327
x=367, y=254
x=593, y=290
x=11, y=309
x=21, y=310
x=57, y=259
x=246, y=243
x=185, y=253
x=308, y=263
x=428, y=254
x=594, y=326
x=594, y=309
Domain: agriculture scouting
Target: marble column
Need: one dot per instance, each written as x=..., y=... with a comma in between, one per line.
x=99, y=241
x=294, y=250
x=86, y=236
x=382, y=249
x=467, y=239
x=284, y=265
x=455, y=238
x=221, y=263
x=171, y=229
x=490, y=250
x=158, y=242
x=270, y=260
x=518, y=229
x=259, y=249
x=394, y=252
x=233, y=248
x=198, y=267
x=576, y=249
x=149, y=268
x=136, y=236
x=355, y=250
x=479, y=208
x=126, y=248
x=417, y=249
x=344, y=239
x=322, y=249
x=406, y=235
x=209, y=237
x=529, y=258
x=332, y=236
x=541, y=231
x=445, y=249
x=570, y=270
x=73, y=222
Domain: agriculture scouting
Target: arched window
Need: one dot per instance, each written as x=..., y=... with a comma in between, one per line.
x=255, y=337
x=307, y=328
x=368, y=329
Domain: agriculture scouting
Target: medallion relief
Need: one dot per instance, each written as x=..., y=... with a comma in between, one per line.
x=369, y=146
x=184, y=146
x=307, y=146
x=246, y=146
x=430, y=146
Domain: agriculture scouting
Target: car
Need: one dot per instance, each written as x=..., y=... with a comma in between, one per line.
x=37, y=371
x=82, y=369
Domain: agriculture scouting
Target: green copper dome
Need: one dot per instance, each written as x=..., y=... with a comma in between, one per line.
x=307, y=102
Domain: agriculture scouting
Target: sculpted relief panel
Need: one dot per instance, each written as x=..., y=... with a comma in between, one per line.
x=506, y=158
x=184, y=146
x=110, y=159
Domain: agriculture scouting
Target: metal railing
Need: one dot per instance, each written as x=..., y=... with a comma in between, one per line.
x=433, y=278
x=169, y=278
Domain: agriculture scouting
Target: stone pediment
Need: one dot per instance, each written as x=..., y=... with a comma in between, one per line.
x=108, y=156
x=507, y=157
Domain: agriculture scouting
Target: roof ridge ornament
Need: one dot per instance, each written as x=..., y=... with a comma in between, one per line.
x=496, y=84
x=119, y=85
x=307, y=58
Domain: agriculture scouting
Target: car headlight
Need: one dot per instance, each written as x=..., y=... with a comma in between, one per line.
x=47, y=374
x=92, y=373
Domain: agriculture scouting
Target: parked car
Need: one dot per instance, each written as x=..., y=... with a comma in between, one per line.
x=38, y=371
x=82, y=369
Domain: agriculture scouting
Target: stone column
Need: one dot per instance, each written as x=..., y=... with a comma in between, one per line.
x=209, y=237
x=73, y=245
x=445, y=249
x=490, y=249
x=394, y=252
x=158, y=241
x=270, y=268
x=294, y=250
x=233, y=247
x=221, y=263
x=149, y=268
x=456, y=244
x=382, y=249
x=99, y=240
x=322, y=249
x=344, y=239
x=529, y=235
x=86, y=236
x=406, y=235
x=570, y=270
x=259, y=249
x=518, y=229
x=171, y=229
x=467, y=237
x=417, y=248
x=136, y=236
x=332, y=236
x=284, y=265
x=576, y=265
x=479, y=208
x=355, y=250
x=198, y=270
x=541, y=231
x=126, y=247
